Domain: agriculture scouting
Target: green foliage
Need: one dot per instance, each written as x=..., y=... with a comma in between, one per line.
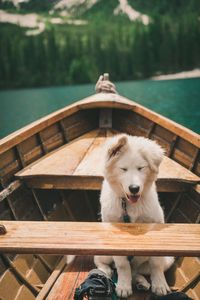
x=66, y=54
x=37, y=5
x=174, y=8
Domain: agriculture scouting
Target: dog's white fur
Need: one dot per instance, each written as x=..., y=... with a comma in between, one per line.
x=133, y=160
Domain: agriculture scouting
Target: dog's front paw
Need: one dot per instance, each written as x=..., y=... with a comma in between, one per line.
x=160, y=287
x=123, y=290
x=143, y=285
x=106, y=269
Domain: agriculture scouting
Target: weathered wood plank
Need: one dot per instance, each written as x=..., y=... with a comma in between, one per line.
x=10, y=189
x=90, y=238
x=9, y=165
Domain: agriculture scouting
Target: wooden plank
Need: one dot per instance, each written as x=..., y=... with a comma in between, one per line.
x=63, y=131
x=131, y=122
x=79, y=129
x=90, y=238
x=62, y=161
x=29, y=150
x=172, y=126
x=171, y=170
x=9, y=165
x=97, y=101
x=105, y=118
x=64, y=182
x=22, y=134
x=71, y=278
x=10, y=189
x=51, y=280
x=93, y=183
x=77, y=166
x=91, y=164
x=53, y=142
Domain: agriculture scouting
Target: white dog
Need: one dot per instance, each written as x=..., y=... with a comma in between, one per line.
x=131, y=168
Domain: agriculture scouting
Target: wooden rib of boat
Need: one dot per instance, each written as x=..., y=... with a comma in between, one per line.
x=51, y=171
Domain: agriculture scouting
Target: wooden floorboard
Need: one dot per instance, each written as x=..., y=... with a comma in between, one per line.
x=90, y=238
x=76, y=273
x=71, y=278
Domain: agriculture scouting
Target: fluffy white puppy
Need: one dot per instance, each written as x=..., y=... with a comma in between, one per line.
x=130, y=171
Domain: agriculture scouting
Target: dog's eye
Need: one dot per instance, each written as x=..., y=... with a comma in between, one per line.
x=124, y=169
x=140, y=168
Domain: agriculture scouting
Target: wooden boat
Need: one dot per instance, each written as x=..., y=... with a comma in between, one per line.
x=51, y=171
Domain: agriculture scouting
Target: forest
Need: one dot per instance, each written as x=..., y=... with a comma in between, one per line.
x=68, y=54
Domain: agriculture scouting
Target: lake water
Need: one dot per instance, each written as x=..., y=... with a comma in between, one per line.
x=178, y=100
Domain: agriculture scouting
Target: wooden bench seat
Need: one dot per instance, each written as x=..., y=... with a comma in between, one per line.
x=78, y=165
x=92, y=238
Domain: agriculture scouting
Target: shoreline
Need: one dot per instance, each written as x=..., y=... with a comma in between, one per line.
x=180, y=75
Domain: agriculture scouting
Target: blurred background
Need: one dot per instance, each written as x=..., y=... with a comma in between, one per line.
x=52, y=52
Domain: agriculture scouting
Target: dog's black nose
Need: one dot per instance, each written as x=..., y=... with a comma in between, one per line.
x=134, y=189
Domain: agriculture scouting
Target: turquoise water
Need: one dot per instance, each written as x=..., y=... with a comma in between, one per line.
x=178, y=100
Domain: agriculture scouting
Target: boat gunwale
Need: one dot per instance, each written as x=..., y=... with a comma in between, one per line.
x=122, y=103
x=101, y=100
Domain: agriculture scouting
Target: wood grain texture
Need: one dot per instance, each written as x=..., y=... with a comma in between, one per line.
x=171, y=170
x=97, y=101
x=65, y=182
x=92, y=162
x=10, y=189
x=62, y=161
x=90, y=238
x=52, y=279
x=79, y=163
x=73, y=275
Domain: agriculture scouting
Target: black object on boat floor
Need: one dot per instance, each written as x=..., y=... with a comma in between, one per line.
x=171, y=296
x=97, y=286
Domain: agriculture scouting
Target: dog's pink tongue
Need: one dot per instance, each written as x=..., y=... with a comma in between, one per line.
x=133, y=199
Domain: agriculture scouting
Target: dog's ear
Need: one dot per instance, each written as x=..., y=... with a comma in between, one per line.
x=153, y=155
x=117, y=148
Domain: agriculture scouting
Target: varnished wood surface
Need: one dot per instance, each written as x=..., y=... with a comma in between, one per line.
x=66, y=159
x=79, y=164
x=90, y=238
x=97, y=101
x=71, y=278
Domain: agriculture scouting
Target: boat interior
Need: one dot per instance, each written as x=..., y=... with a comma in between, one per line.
x=51, y=170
